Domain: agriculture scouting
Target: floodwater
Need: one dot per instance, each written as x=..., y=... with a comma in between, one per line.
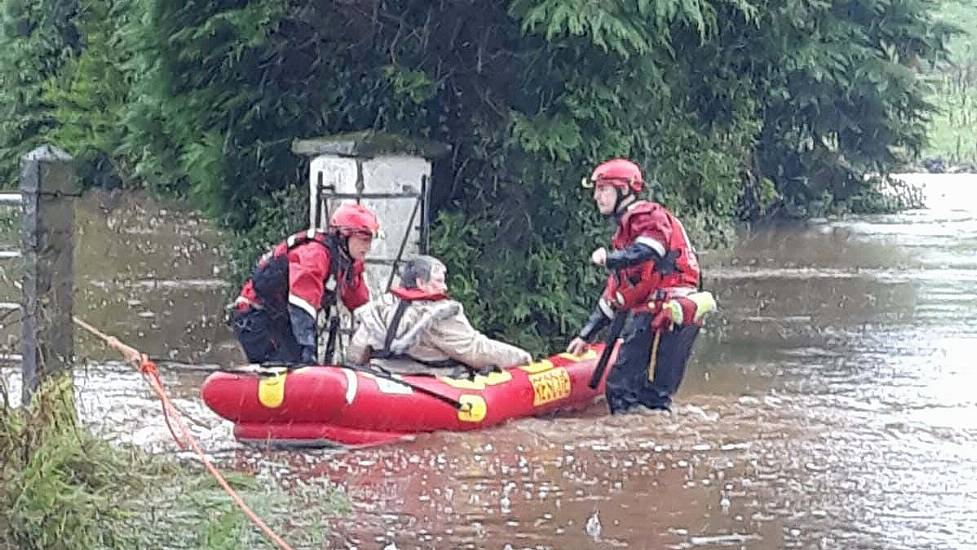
x=831, y=403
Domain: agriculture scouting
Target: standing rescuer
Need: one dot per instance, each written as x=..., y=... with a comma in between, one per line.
x=275, y=315
x=654, y=279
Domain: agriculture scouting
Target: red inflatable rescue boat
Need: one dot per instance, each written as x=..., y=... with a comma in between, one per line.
x=333, y=405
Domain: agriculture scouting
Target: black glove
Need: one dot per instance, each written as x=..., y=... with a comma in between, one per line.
x=632, y=255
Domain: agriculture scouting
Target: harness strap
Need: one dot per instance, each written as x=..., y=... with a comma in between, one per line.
x=391, y=334
x=394, y=325
x=385, y=353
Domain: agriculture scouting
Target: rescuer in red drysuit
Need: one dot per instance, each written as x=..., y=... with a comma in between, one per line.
x=275, y=315
x=654, y=278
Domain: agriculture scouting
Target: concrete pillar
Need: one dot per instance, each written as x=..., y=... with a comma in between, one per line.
x=389, y=174
x=48, y=188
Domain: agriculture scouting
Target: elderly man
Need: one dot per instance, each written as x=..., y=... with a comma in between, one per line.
x=416, y=328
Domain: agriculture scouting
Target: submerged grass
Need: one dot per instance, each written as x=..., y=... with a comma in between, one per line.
x=61, y=487
x=951, y=135
x=885, y=195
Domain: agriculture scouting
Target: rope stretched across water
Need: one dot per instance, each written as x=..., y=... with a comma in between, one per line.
x=142, y=362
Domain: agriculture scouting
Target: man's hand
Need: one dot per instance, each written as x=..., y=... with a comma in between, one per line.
x=599, y=257
x=577, y=346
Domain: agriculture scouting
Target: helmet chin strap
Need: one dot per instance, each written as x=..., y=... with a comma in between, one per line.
x=622, y=201
x=342, y=241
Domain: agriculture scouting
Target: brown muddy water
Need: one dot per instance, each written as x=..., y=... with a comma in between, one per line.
x=831, y=404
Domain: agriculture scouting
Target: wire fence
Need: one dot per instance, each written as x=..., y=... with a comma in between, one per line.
x=11, y=312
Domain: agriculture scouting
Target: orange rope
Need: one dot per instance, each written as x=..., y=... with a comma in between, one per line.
x=149, y=370
x=142, y=362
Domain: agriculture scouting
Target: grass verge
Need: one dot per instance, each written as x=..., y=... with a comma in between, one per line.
x=61, y=487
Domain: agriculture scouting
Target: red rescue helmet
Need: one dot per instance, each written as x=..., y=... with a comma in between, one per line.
x=620, y=173
x=355, y=219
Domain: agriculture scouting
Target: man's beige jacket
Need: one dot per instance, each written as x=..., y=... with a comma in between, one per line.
x=431, y=331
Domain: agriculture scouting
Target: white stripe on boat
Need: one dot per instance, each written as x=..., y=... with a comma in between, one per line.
x=351, y=385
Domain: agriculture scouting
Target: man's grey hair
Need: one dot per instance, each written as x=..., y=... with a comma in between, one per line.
x=418, y=270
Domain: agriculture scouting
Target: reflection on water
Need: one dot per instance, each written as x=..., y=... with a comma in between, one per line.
x=146, y=273
x=829, y=405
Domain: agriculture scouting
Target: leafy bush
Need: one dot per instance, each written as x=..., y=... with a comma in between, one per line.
x=37, y=38
x=283, y=213
x=91, y=98
x=734, y=109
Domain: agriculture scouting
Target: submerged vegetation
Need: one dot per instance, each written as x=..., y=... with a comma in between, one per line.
x=60, y=487
x=953, y=130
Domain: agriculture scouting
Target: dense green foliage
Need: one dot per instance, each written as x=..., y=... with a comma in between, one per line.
x=37, y=39
x=735, y=108
x=90, y=99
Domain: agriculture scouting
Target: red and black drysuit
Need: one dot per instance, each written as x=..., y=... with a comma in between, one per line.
x=652, y=261
x=275, y=314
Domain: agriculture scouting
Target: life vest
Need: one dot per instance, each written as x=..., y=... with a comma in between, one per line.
x=675, y=271
x=683, y=310
x=270, y=276
x=415, y=294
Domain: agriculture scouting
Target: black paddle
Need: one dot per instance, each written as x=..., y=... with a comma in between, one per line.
x=258, y=368
x=617, y=325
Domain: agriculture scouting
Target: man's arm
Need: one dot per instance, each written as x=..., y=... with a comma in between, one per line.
x=651, y=243
x=358, y=351
x=304, y=331
x=599, y=319
x=637, y=253
x=308, y=267
x=456, y=337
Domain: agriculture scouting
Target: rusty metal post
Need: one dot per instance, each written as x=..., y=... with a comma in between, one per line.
x=48, y=188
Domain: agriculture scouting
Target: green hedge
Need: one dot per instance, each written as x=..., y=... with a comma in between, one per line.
x=735, y=108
